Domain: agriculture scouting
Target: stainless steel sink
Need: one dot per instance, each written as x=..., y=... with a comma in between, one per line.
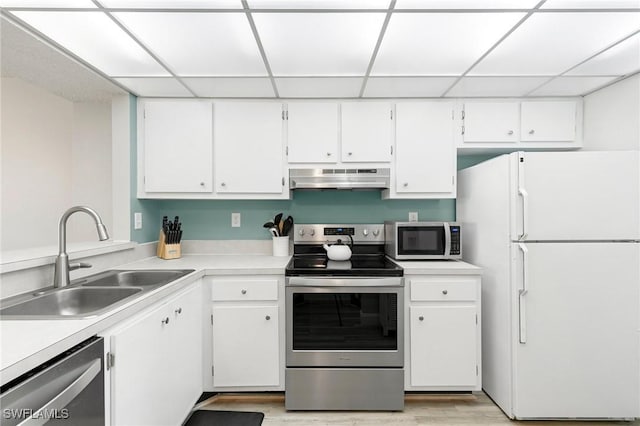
x=70, y=301
x=88, y=296
x=142, y=278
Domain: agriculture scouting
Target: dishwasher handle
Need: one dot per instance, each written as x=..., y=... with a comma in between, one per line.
x=66, y=396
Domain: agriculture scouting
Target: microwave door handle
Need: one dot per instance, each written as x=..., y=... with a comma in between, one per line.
x=65, y=397
x=447, y=240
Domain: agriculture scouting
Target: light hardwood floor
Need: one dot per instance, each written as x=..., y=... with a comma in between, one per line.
x=420, y=409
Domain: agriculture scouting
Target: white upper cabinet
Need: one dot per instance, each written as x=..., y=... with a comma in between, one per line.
x=425, y=156
x=312, y=132
x=491, y=122
x=366, y=132
x=248, y=148
x=548, y=121
x=177, y=146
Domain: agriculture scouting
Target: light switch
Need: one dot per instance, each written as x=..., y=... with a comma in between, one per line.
x=235, y=220
x=137, y=220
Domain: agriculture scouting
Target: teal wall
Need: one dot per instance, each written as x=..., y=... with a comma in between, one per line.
x=211, y=219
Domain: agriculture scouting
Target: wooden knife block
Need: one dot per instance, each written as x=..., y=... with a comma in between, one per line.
x=167, y=251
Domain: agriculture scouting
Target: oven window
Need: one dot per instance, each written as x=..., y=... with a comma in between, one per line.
x=345, y=321
x=421, y=240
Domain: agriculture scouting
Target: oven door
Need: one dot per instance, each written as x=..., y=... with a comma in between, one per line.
x=345, y=322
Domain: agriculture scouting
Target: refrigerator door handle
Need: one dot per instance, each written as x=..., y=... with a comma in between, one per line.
x=525, y=216
x=522, y=317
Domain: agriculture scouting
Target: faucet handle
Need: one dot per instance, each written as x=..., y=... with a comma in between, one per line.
x=73, y=266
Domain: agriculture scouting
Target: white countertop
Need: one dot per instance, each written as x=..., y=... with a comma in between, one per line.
x=27, y=343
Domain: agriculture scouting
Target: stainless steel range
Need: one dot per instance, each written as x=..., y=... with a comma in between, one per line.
x=344, y=319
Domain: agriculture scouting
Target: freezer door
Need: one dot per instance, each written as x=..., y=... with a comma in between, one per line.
x=576, y=196
x=576, y=330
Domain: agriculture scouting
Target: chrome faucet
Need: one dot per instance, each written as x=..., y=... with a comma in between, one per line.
x=61, y=274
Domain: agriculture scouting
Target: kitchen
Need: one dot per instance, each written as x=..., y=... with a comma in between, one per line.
x=606, y=119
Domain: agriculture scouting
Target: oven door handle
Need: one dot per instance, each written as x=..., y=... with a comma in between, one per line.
x=344, y=282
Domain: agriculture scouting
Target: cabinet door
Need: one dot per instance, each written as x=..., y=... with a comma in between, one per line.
x=443, y=345
x=185, y=313
x=177, y=146
x=312, y=130
x=248, y=153
x=425, y=152
x=548, y=121
x=245, y=346
x=491, y=122
x=366, y=132
x=140, y=377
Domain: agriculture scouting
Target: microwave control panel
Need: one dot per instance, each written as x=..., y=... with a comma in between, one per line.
x=455, y=240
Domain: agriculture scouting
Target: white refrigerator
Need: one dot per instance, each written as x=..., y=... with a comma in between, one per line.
x=558, y=237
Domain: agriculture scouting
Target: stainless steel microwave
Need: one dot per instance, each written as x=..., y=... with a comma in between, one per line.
x=422, y=240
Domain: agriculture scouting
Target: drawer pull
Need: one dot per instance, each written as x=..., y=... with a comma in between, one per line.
x=165, y=321
x=444, y=292
x=421, y=318
x=243, y=291
x=267, y=317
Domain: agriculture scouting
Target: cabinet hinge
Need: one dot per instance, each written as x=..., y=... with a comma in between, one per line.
x=463, y=130
x=477, y=371
x=144, y=113
x=283, y=115
x=110, y=360
x=463, y=114
x=286, y=151
x=391, y=149
x=476, y=318
x=391, y=114
x=211, y=319
x=286, y=114
x=453, y=182
x=452, y=115
x=212, y=369
x=282, y=180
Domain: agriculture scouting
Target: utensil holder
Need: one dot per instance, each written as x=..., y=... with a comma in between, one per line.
x=281, y=246
x=167, y=251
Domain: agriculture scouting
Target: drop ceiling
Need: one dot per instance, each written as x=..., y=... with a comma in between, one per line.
x=343, y=48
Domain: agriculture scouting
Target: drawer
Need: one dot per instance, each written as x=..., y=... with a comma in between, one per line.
x=234, y=290
x=444, y=290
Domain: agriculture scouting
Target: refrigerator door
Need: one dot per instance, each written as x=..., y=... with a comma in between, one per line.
x=575, y=331
x=576, y=196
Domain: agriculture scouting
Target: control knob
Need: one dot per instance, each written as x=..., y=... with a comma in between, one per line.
x=301, y=232
x=365, y=232
x=376, y=232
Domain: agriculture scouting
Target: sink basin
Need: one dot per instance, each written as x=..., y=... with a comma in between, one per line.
x=88, y=296
x=135, y=278
x=70, y=301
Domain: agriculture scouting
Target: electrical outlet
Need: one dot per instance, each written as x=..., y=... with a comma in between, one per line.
x=413, y=216
x=137, y=220
x=235, y=220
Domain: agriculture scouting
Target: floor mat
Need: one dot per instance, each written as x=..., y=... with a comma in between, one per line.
x=224, y=418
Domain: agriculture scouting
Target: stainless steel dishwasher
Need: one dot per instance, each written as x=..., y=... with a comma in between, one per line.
x=68, y=389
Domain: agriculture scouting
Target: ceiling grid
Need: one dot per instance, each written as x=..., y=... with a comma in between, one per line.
x=360, y=49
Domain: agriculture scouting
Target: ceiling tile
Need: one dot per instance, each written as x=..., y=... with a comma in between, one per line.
x=590, y=4
x=173, y=4
x=320, y=87
x=622, y=59
x=97, y=39
x=495, y=86
x=312, y=44
x=48, y=3
x=544, y=45
x=199, y=44
x=220, y=87
x=407, y=87
x=466, y=4
x=571, y=86
x=165, y=87
x=319, y=4
x=439, y=44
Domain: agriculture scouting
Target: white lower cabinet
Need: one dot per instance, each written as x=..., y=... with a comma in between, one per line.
x=247, y=317
x=443, y=345
x=156, y=372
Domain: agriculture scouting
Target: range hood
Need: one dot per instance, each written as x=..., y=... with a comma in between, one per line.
x=339, y=178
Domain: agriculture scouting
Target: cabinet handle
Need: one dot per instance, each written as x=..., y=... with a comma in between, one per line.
x=510, y=132
x=243, y=291
x=421, y=318
x=328, y=154
x=178, y=311
x=350, y=153
x=267, y=317
x=223, y=184
x=444, y=292
x=531, y=131
x=165, y=321
x=405, y=184
x=201, y=183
